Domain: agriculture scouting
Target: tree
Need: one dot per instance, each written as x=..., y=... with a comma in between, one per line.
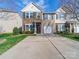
x=73, y=6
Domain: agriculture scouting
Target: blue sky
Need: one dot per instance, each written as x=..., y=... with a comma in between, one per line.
x=17, y=5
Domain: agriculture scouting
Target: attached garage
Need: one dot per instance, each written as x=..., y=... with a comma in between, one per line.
x=76, y=28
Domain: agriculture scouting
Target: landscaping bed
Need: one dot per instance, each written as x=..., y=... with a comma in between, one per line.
x=70, y=35
x=11, y=40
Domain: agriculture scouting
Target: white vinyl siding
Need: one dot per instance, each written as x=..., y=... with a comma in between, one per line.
x=9, y=20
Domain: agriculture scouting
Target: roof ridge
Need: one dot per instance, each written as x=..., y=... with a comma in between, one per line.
x=35, y=6
x=6, y=10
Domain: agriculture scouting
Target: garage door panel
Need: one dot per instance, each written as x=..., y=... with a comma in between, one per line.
x=47, y=29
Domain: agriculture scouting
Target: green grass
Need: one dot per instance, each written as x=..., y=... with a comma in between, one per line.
x=5, y=35
x=70, y=35
x=10, y=41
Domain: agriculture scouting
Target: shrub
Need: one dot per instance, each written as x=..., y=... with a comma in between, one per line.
x=20, y=30
x=15, y=31
x=28, y=32
x=67, y=26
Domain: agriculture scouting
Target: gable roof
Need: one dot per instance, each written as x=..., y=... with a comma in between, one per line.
x=38, y=7
x=60, y=10
x=6, y=10
x=65, y=9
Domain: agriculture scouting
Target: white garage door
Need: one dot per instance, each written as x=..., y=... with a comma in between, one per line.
x=76, y=29
x=47, y=29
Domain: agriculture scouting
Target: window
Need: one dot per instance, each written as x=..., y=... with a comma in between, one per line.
x=28, y=27
x=34, y=14
x=31, y=15
x=62, y=16
x=50, y=17
x=57, y=16
x=26, y=15
x=31, y=27
x=45, y=16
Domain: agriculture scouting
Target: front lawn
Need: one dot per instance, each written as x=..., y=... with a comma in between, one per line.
x=11, y=40
x=5, y=35
x=70, y=35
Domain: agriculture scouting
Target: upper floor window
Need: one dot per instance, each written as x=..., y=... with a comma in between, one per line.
x=52, y=17
x=32, y=15
x=57, y=16
x=48, y=16
x=26, y=15
x=61, y=16
x=45, y=16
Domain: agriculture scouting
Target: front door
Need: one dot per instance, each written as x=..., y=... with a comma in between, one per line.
x=38, y=26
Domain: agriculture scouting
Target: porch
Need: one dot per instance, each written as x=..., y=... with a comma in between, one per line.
x=34, y=27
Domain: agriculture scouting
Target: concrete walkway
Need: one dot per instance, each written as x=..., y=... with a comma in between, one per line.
x=39, y=47
x=68, y=48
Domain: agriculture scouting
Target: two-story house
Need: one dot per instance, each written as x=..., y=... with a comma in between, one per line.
x=38, y=21
x=66, y=18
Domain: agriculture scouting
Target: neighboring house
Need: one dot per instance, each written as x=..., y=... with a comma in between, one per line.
x=65, y=15
x=9, y=20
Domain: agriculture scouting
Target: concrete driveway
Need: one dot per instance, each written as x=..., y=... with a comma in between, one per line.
x=43, y=47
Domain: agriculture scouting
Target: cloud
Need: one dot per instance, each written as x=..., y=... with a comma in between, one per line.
x=17, y=5
x=42, y=4
x=26, y=1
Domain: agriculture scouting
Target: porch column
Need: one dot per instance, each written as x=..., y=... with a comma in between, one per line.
x=29, y=15
x=54, y=27
x=70, y=28
x=42, y=16
x=42, y=28
x=75, y=27
x=23, y=17
x=35, y=29
x=55, y=16
x=37, y=14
